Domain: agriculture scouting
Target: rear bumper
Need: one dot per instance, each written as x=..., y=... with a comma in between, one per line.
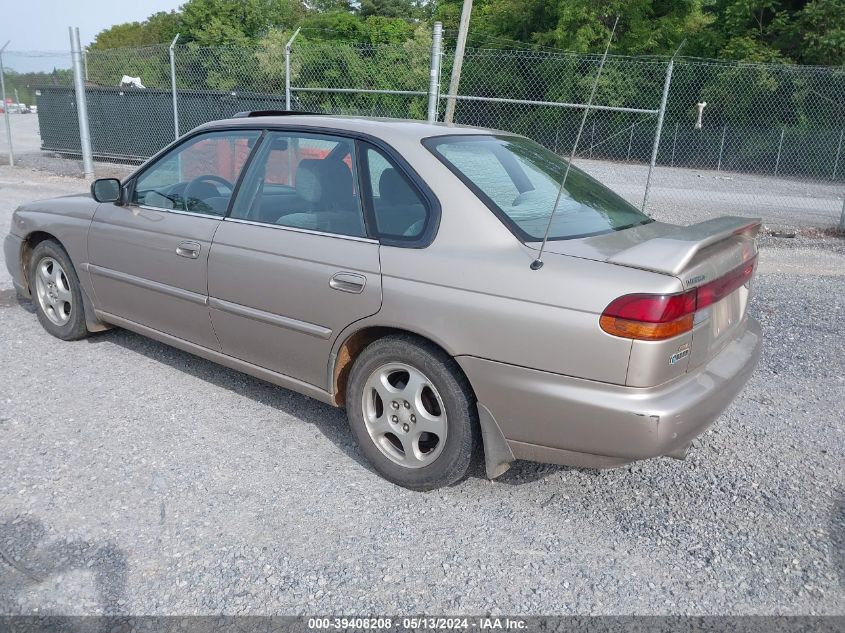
x=12, y=246
x=558, y=419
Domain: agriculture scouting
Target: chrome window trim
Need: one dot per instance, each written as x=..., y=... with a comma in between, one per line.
x=295, y=229
x=177, y=211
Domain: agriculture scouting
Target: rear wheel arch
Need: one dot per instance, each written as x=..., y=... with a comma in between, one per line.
x=497, y=454
x=414, y=445
x=355, y=343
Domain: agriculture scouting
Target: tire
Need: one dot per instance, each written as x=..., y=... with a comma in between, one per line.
x=56, y=293
x=427, y=407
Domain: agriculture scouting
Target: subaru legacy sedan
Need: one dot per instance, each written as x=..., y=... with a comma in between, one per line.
x=393, y=268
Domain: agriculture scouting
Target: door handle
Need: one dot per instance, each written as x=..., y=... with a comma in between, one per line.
x=191, y=250
x=348, y=282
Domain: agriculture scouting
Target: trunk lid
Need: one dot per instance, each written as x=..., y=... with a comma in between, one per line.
x=697, y=255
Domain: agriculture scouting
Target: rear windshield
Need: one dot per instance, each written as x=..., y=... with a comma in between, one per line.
x=519, y=180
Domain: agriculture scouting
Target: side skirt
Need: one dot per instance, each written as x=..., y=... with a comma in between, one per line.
x=228, y=361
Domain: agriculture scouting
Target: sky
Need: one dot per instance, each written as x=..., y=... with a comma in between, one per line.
x=41, y=25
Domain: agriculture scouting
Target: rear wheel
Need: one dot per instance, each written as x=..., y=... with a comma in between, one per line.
x=412, y=412
x=56, y=292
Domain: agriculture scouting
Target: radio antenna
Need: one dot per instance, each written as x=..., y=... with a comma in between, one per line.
x=537, y=264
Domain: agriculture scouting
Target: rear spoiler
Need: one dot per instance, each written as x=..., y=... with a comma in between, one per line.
x=672, y=253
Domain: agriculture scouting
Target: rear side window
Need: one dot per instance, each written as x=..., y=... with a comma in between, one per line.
x=400, y=211
x=519, y=180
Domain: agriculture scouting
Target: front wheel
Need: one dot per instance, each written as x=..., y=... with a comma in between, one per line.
x=412, y=413
x=56, y=292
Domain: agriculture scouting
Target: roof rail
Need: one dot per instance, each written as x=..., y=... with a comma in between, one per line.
x=249, y=114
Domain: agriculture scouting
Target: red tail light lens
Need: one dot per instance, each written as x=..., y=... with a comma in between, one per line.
x=649, y=317
x=652, y=308
x=716, y=290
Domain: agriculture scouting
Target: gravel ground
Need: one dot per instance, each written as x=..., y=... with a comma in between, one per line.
x=135, y=478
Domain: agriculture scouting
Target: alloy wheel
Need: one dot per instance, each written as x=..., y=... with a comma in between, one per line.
x=404, y=415
x=53, y=291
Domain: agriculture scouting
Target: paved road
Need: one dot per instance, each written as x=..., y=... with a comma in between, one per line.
x=684, y=196
x=135, y=478
x=26, y=138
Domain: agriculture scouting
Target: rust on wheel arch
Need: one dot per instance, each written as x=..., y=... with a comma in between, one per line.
x=346, y=355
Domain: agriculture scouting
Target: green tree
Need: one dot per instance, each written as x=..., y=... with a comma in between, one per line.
x=159, y=28
x=27, y=83
x=326, y=6
x=773, y=31
x=754, y=30
x=237, y=22
x=645, y=27
x=388, y=8
x=821, y=30
x=382, y=30
x=334, y=25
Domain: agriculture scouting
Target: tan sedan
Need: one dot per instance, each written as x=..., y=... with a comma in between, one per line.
x=386, y=267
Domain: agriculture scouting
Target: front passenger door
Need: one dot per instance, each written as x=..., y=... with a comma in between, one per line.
x=149, y=259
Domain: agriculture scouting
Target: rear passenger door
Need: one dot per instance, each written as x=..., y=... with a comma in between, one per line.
x=293, y=265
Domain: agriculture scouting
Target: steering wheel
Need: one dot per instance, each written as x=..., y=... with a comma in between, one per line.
x=201, y=188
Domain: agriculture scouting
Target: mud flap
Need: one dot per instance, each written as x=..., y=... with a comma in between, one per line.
x=497, y=454
x=92, y=323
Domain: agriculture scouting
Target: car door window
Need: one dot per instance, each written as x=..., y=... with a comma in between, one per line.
x=305, y=181
x=400, y=212
x=197, y=176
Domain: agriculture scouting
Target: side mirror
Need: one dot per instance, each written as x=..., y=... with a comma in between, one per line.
x=106, y=190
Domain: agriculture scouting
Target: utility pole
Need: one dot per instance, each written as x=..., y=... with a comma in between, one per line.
x=455, y=82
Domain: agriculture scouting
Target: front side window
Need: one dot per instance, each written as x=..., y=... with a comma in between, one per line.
x=519, y=180
x=197, y=176
x=305, y=181
x=399, y=210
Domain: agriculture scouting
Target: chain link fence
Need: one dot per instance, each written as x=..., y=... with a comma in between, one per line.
x=542, y=95
x=753, y=139
x=24, y=72
x=767, y=141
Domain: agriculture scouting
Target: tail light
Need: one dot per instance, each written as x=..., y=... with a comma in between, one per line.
x=649, y=317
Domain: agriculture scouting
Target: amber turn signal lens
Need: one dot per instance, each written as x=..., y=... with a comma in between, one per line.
x=642, y=331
